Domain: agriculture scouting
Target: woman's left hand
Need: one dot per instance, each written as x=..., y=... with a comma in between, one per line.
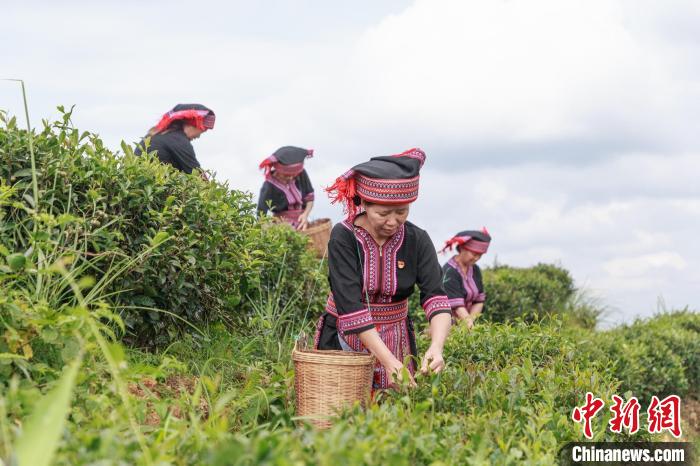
x=302, y=222
x=433, y=360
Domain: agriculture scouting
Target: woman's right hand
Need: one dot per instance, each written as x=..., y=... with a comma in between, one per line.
x=393, y=367
x=395, y=371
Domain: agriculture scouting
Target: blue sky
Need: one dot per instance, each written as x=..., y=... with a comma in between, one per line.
x=568, y=128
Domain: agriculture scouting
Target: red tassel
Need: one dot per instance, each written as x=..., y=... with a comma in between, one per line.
x=485, y=231
x=451, y=242
x=343, y=190
x=448, y=245
x=267, y=166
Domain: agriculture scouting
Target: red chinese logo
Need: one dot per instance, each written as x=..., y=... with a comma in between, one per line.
x=586, y=412
x=662, y=415
x=624, y=415
x=665, y=415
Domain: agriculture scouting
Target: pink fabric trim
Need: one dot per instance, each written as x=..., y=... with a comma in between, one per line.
x=290, y=190
x=209, y=121
x=479, y=247
x=290, y=216
x=472, y=291
x=457, y=302
x=380, y=271
x=355, y=320
x=290, y=170
x=436, y=304
x=389, y=192
x=467, y=242
x=319, y=327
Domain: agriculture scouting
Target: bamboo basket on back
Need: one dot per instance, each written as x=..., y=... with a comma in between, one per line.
x=320, y=232
x=328, y=381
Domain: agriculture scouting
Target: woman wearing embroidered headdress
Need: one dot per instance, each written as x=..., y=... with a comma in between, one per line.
x=171, y=137
x=375, y=258
x=462, y=277
x=287, y=191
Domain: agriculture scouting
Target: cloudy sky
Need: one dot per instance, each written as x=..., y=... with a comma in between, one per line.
x=568, y=128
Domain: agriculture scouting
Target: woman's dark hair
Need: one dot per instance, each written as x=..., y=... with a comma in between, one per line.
x=176, y=125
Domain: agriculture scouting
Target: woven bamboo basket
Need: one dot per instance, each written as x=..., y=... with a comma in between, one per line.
x=320, y=232
x=328, y=381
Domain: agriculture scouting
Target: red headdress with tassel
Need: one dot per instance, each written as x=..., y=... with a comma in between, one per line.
x=472, y=240
x=286, y=160
x=388, y=180
x=195, y=114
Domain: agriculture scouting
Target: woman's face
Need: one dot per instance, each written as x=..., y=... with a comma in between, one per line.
x=192, y=132
x=469, y=257
x=283, y=178
x=385, y=220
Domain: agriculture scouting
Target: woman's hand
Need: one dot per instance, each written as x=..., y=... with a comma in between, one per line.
x=461, y=313
x=395, y=371
x=463, y=316
x=433, y=360
x=394, y=368
x=469, y=322
x=303, y=221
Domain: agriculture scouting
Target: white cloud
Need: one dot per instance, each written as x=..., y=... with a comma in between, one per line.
x=568, y=128
x=640, y=266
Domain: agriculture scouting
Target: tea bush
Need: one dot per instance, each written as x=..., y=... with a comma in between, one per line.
x=214, y=257
x=526, y=292
x=530, y=294
x=656, y=356
x=505, y=398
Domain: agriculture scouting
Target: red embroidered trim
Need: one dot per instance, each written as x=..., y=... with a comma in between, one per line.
x=435, y=305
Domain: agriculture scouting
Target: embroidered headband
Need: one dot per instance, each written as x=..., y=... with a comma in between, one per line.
x=286, y=160
x=195, y=114
x=386, y=180
x=474, y=241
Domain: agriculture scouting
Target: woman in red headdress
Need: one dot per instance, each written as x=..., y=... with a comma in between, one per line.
x=171, y=138
x=287, y=191
x=462, y=277
x=376, y=257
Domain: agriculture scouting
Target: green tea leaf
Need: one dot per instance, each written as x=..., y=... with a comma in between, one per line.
x=16, y=261
x=30, y=200
x=159, y=238
x=23, y=172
